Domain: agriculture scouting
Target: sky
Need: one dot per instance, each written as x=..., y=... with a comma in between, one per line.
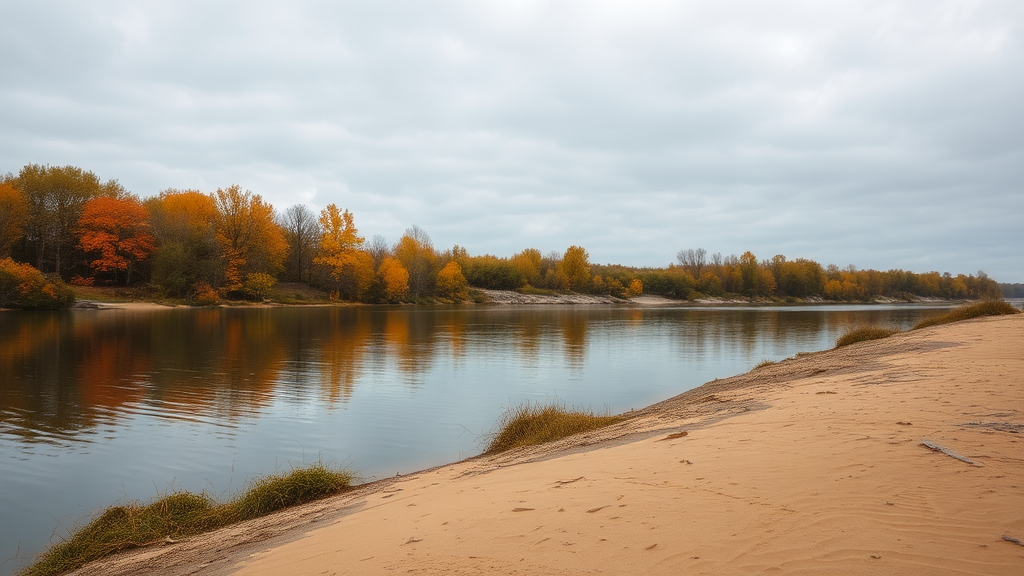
x=880, y=134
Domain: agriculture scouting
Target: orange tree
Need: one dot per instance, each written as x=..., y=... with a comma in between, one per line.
x=13, y=216
x=115, y=232
x=22, y=286
x=339, y=254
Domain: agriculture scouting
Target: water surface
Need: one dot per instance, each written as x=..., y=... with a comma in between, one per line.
x=98, y=406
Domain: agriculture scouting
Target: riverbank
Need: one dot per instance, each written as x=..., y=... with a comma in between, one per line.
x=817, y=463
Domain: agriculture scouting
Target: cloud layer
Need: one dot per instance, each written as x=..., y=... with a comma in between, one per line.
x=882, y=134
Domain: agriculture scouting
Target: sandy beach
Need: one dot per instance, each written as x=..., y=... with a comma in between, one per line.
x=898, y=456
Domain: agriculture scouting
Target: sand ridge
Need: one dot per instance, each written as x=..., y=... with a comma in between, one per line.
x=809, y=466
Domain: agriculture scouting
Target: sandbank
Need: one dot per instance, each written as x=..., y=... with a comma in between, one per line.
x=818, y=464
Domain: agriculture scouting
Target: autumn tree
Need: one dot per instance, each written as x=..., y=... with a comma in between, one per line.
x=394, y=279
x=575, y=268
x=528, y=262
x=184, y=223
x=251, y=241
x=115, y=232
x=378, y=248
x=693, y=261
x=13, y=216
x=451, y=284
x=416, y=253
x=302, y=232
x=56, y=196
x=350, y=268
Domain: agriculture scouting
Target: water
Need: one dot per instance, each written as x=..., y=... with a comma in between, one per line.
x=101, y=406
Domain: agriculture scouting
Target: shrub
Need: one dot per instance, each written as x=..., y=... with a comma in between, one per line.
x=863, y=334
x=204, y=295
x=22, y=286
x=258, y=284
x=987, y=308
x=530, y=424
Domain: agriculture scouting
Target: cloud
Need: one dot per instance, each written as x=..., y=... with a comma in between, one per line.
x=883, y=134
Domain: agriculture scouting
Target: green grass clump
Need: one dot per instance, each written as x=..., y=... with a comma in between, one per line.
x=184, y=514
x=863, y=334
x=530, y=424
x=987, y=308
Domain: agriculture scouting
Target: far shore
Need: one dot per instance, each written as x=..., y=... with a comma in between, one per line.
x=894, y=456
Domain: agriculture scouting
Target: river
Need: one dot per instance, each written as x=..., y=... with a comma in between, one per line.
x=102, y=406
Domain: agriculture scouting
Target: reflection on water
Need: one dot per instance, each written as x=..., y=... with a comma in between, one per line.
x=100, y=405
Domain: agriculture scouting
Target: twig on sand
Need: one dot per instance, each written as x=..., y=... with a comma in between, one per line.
x=948, y=452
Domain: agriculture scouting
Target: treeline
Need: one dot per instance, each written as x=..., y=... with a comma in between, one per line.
x=66, y=223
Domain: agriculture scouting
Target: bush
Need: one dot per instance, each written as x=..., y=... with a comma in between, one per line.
x=204, y=295
x=22, y=286
x=257, y=285
x=530, y=424
x=987, y=308
x=864, y=334
x=184, y=514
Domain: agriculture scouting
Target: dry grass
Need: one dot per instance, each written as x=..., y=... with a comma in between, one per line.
x=184, y=514
x=765, y=363
x=864, y=334
x=530, y=424
x=987, y=308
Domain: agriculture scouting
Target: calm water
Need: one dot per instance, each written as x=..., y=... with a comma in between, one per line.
x=98, y=406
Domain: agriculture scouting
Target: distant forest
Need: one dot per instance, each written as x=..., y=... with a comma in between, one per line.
x=1012, y=290
x=62, y=224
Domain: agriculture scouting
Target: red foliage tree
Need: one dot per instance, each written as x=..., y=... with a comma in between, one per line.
x=116, y=232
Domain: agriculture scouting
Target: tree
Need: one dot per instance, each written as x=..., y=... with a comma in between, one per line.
x=184, y=223
x=451, y=284
x=378, y=248
x=22, y=286
x=416, y=252
x=575, y=267
x=693, y=260
x=529, y=263
x=56, y=197
x=251, y=240
x=394, y=278
x=302, y=232
x=13, y=216
x=116, y=232
x=350, y=268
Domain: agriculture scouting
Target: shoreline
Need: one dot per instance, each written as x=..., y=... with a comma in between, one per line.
x=812, y=463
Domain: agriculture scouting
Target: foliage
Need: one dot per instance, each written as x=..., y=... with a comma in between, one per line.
x=204, y=295
x=636, y=287
x=13, y=216
x=184, y=224
x=987, y=308
x=416, y=253
x=531, y=424
x=528, y=262
x=864, y=334
x=451, y=284
x=23, y=286
x=575, y=268
x=394, y=278
x=117, y=232
x=493, y=273
x=184, y=514
x=56, y=196
x=350, y=268
x=257, y=285
x=250, y=239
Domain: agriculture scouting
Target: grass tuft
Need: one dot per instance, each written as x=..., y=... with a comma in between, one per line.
x=530, y=424
x=765, y=363
x=986, y=308
x=183, y=514
x=864, y=334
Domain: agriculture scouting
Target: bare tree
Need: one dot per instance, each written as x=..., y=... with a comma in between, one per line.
x=378, y=248
x=692, y=260
x=302, y=230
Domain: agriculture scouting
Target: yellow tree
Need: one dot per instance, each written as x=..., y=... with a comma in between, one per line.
x=395, y=279
x=250, y=238
x=13, y=216
x=339, y=253
x=416, y=253
x=184, y=223
x=528, y=263
x=575, y=267
x=451, y=284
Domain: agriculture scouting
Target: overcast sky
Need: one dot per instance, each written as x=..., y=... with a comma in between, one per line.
x=881, y=134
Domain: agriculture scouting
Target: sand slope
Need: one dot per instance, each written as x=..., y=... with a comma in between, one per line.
x=811, y=466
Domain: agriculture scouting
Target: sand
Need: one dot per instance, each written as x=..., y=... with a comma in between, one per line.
x=814, y=465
